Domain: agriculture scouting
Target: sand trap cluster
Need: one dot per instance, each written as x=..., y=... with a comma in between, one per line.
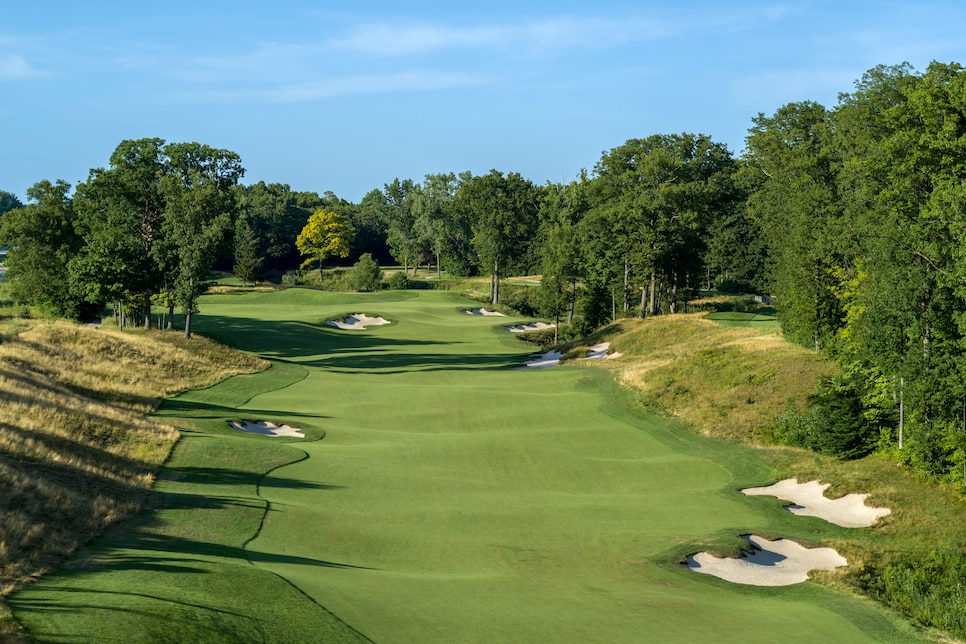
x=357, y=321
x=552, y=358
x=543, y=360
x=599, y=352
x=482, y=312
x=266, y=429
x=781, y=562
x=533, y=326
x=850, y=511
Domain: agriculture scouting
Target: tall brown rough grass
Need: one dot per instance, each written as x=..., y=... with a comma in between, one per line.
x=77, y=454
x=728, y=382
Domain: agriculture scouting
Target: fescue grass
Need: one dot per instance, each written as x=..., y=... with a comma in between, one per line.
x=453, y=498
x=77, y=454
x=730, y=382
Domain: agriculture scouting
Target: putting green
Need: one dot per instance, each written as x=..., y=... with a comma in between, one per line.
x=454, y=498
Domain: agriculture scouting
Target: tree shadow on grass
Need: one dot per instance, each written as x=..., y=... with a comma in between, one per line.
x=293, y=339
x=174, y=554
x=394, y=363
x=182, y=408
x=347, y=351
x=220, y=476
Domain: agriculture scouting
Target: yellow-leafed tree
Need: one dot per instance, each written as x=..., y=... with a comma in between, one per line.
x=327, y=234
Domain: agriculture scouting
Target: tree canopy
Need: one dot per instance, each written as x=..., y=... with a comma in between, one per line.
x=327, y=234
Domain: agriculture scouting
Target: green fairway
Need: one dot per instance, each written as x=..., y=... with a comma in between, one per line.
x=736, y=318
x=440, y=495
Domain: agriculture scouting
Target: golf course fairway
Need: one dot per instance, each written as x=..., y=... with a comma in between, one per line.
x=440, y=495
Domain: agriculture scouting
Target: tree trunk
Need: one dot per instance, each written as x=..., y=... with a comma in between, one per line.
x=439, y=272
x=495, y=285
x=573, y=302
x=187, y=325
x=171, y=315
x=643, y=313
x=627, y=286
x=653, y=293
x=147, y=310
x=674, y=293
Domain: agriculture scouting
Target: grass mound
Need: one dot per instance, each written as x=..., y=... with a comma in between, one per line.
x=77, y=454
x=728, y=381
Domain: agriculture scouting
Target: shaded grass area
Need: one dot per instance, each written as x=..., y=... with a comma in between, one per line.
x=736, y=318
x=76, y=452
x=183, y=571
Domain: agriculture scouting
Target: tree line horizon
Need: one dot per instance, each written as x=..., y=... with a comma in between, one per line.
x=852, y=217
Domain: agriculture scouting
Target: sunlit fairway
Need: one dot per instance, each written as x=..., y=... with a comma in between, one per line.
x=452, y=498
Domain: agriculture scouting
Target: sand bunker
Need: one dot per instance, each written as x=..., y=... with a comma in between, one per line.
x=850, y=511
x=533, y=326
x=552, y=358
x=266, y=429
x=356, y=322
x=599, y=352
x=781, y=562
x=543, y=360
x=482, y=312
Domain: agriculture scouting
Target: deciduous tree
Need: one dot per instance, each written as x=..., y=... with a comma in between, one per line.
x=327, y=234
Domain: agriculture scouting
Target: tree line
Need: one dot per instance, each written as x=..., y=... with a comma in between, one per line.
x=850, y=216
x=863, y=209
x=144, y=231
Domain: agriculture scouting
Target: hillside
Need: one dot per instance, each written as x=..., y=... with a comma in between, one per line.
x=732, y=382
x=77, y=454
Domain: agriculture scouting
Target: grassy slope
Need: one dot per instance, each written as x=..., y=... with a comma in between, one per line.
x=76, y=453
x=451, y=499
x=732, y=382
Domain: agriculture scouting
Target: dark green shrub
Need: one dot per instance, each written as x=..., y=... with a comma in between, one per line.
x=928, y=587
x=398, y=281
x=521, y=299
x=365, y=274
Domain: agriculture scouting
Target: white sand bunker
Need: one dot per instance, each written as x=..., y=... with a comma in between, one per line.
x=266, y=429
x=543, y=361
x=482, y=312
x=357, y=321
x=599, y=352
x=533, y=326
x=850, y=511
x=781, y=562
x=552, y=358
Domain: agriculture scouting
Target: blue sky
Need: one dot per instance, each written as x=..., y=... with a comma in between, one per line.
x=348, y=96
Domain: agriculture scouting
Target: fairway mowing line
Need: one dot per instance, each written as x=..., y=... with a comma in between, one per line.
x=781, y=562
x=849, y=511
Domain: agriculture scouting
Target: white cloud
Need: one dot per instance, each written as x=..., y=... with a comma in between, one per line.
x=15, y=67
x=409, y=81
x=382, y=39
x=323, y=88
